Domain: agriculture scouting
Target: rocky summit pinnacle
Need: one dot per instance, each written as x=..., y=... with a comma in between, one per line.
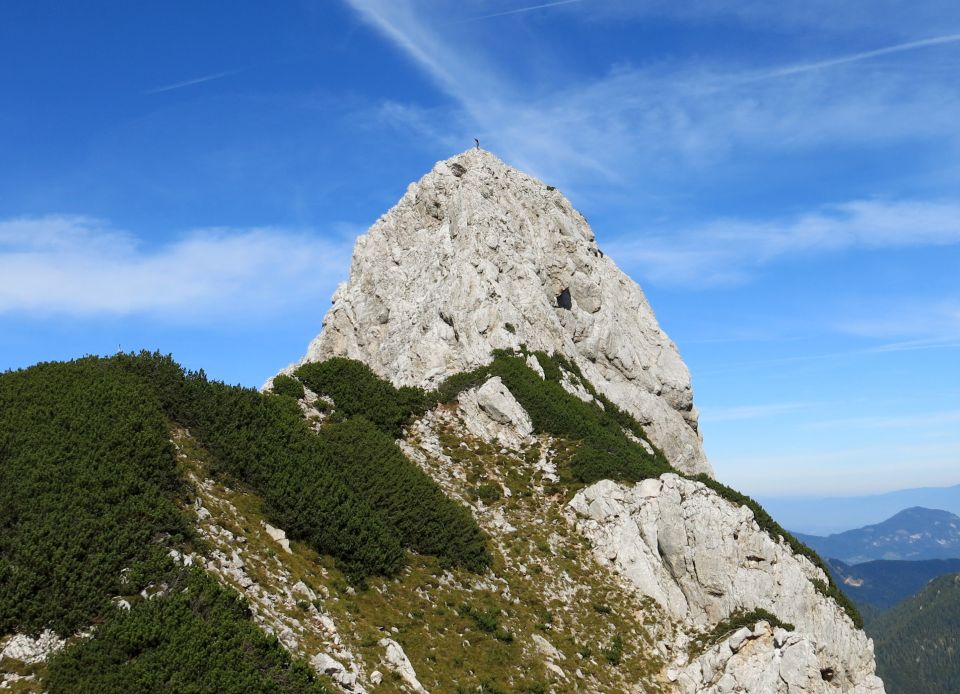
x=478, y=256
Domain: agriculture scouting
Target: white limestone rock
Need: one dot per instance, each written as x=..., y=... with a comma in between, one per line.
x=703, y=558
x=753, y=661
x=31, y=650
x=546, y=648
x=326, y=665
x=278, y=536
x=477, y=256
x=491, y=413
x=398, y=661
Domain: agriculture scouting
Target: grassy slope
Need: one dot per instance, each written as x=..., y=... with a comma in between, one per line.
x=604, y=449
x=554, y=587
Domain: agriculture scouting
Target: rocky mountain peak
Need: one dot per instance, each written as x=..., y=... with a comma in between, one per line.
x=477, y=256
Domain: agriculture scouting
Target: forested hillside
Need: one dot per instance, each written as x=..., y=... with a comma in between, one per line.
x=883, y=583
x=918, y=641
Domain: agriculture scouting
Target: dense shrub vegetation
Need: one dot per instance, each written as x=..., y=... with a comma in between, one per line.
x=87, y=489
x=88, y=482
x=358, y=392
x=916, y=641
x=348, y=491
x=88, y=509
x=198, y=638
x=428, y=522
x=287, y=386
x=605, y=451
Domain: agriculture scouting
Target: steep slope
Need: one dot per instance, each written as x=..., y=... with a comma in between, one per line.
x=477, y=256
x=90, y=600
x=516, y=527
x=884, y=583
x=479, y=264
x=912, y=534
x=918, y=641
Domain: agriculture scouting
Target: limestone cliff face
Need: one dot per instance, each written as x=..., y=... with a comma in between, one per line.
x=702, y=558
x=478, y=256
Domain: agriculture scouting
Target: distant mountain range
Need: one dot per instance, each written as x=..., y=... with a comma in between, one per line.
x=882, y=584
x=917, y=642
x=825, y=515
x=911, y=607
x=912, y=534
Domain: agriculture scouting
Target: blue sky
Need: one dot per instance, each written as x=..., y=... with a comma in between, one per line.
x=781, y=178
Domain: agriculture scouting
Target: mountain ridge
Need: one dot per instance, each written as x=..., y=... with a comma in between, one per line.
x=918, y=640
x=882, y=583
x=478, y=259
x=486, y=477
x=915, y=533
x=825, y=515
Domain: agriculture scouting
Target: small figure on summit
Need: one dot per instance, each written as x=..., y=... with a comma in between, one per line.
x=478, y=142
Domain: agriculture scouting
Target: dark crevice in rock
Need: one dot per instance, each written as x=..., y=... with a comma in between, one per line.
x=827, y=674
x=458, y=170
x=564, y=300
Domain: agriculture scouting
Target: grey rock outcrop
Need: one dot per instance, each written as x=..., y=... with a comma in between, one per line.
x=477, y=256
x=703, y=558
x=30, y=650
x=491, y=413
x=398, y=661
x=764, y=661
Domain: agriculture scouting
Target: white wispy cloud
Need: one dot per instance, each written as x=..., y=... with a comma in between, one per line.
x=646, y=130
x=863, y=55
x=670, y=117
x=919, y=322
x=192, y=82
x=729, y=250
x=81, y=266
x=891, y=19
x=523, y=10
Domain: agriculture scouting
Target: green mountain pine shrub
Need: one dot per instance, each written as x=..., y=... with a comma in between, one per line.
x=197, y=638
x=347, y=491
x=358, y=392
x=88, y=483
x=287, y=386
